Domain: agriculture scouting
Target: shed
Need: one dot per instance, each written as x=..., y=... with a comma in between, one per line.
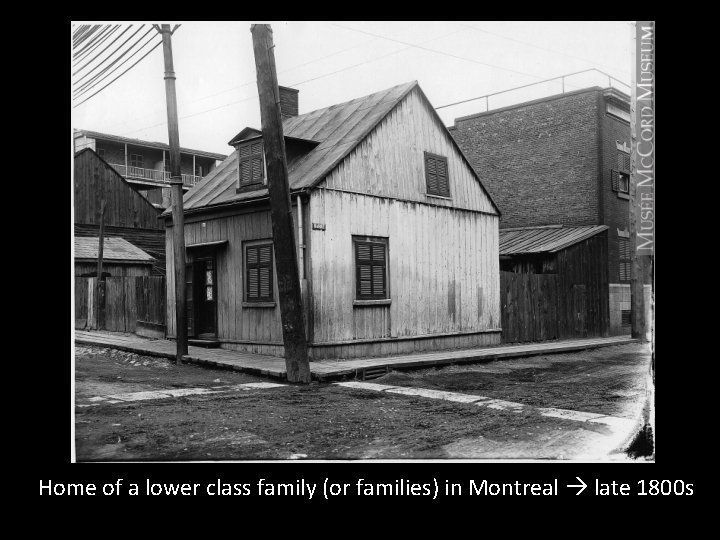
x=120, y=258
x=554, y=283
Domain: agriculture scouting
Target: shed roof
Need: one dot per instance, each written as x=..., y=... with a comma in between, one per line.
x=114, y=250
x=547, y=239
x=338, y=129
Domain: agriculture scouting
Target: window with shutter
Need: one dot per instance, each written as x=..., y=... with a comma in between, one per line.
x=624, y=259
x=370, y=268
x=620, y=176
x=250, y=163
x=436, y=175
x=259, y=272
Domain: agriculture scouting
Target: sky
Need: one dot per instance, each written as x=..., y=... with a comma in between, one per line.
x=331, y=62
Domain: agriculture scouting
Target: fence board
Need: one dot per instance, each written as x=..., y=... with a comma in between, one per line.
x=127, y=301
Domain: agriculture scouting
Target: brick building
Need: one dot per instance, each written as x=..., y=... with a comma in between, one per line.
x=561, y=160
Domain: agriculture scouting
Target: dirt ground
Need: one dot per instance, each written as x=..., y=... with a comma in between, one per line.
x=324, y=421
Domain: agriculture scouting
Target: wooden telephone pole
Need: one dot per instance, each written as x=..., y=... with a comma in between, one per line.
x=291, y=312
x=177, y=196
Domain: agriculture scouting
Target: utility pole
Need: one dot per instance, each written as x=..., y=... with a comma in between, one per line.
x=177, y=196
x=291, y=312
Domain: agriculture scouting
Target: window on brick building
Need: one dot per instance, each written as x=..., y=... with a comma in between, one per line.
x=436, y=175
x=624, y=258
x=250, y=164
x=620, y=175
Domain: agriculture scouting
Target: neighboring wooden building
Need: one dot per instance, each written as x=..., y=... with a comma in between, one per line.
x=554, y=283
x=120, y=258
x=397, y=237
x=128, y=214
x=146, y=164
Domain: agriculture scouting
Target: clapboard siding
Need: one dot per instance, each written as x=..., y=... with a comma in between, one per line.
x=443, y=268
x=234, y=322
x=390, y=161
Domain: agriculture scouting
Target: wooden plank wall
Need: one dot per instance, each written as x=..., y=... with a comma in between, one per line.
x=150, y=299
x=443, y=268
x=127, y=301
x=390, y=161
x=81, y=303
x=574, y=303
x=236, y=323
x=125, y=207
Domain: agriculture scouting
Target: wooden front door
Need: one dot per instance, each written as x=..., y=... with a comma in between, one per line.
x=205, y=297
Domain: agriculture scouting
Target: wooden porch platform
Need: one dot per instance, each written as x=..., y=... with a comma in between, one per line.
x=325, y=370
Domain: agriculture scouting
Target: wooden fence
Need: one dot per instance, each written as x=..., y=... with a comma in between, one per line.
x=539, y=307
x=129, y=302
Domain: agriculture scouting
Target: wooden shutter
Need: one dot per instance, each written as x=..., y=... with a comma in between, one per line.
x=624, y=259
x=623, y=161
x=614, y=180
x=250, y=163
x=436, y=175
x=370, y=270
x=259, y=273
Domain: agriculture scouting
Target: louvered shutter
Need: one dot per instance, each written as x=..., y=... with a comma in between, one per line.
x=615, y=180
x=250, y=163
x=436, y=175
x=443, y=186
x=370, y=260
x=259, y=287
x=624, y=259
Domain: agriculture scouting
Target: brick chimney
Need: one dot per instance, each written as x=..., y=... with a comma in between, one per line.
x=288, y=102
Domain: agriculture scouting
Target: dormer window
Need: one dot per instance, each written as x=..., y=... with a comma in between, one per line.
x=251, y=169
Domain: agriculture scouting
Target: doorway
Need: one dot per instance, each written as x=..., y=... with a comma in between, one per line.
x=201, y=295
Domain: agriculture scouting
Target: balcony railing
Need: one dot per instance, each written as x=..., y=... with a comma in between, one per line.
x=139, y=173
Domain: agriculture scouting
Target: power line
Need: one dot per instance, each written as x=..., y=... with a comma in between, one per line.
x=108, y=56
x=296, y=84
x=105, y=49
x=87, y=88
x=78, y=39
x=529, y=44
x=80, y=56
x=123, y=73
x=439, y=52
x=92, y=42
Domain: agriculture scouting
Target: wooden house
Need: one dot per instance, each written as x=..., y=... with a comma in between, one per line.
x=554, y=283
x=128, y=214
x=397, y=237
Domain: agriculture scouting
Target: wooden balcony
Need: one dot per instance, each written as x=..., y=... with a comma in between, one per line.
x=152, y=175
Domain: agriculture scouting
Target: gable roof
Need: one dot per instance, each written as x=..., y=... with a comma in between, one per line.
x=117, y=250
x=547, y=239
x=337, y=129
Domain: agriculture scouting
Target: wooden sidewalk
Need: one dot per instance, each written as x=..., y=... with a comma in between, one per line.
x=325, y=370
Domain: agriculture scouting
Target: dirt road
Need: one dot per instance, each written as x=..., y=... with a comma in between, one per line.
x=223, y=416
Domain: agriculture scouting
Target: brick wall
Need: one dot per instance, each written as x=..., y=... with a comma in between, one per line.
x=539, y=160
x=615, y=207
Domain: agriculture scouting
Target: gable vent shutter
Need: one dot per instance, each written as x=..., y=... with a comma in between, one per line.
x=443, y=187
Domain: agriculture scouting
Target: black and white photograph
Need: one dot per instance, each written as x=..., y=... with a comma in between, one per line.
x=363, y=241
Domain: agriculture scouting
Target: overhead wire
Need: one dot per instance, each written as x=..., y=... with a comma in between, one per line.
x=90, y=86
x=79, y=56
x=106, y=58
